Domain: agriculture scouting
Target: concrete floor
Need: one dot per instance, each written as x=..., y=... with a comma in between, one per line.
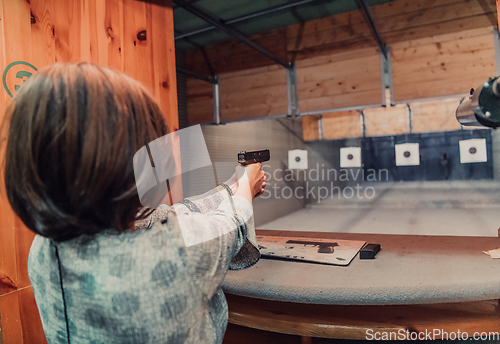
x=463, y=208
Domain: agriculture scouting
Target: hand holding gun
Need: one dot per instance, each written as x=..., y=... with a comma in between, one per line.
x=251, y=178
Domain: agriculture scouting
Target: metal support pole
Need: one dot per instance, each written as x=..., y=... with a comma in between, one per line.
x=496, y=36
x=320, y=127
x=373, y=26
x=181, y=70
x=410, y=122
x=246, y=16
x=382, y=59
x=363, y=123
x=291, y=83
x=216, y=100
x=229, y=30
x=389, y=71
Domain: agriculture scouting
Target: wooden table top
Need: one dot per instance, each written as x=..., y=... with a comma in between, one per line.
x=407, y=270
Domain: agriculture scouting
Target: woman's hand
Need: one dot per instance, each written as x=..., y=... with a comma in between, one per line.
x=250, y=181
x=262, y=184
x=256, y=178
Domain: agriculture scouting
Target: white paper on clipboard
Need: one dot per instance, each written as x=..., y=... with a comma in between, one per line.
x=315, y=250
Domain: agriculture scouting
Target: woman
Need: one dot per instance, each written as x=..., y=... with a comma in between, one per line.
x=97, y=274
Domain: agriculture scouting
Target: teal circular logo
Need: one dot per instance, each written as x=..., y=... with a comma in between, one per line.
x=15, y=74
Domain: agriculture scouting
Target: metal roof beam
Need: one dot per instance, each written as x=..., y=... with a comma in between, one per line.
x=217, y=22
x=246, y=16
x=373, y=26
x=184, y=71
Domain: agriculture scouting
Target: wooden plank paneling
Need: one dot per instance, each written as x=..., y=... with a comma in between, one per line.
x=429, y=116
x=42, y=32
x=67, y=29
x=164, y=71
x=16, y=46
x=30, y=319
x=328, y=35
x=325, y=83
x=24, y=238
x=443, y=67
x=199, y=101
x=42, y=52
x=259, y=92
x=354, y=18
x=20, y=318
x=336, y=125
x=383, y=121
x=397, y=21
x=135, y=50
x=440, y=39
x=12, y=332
x=8, y=261
x=434, y=116
x=161, y=32
x=233, y=55
x=407, y=7
x=344, y=124
x=333, y=54
x=84, y=14
x=418, y=23
x=444, y=47
x=310, y=128
x=98, y=38
x=113, y=24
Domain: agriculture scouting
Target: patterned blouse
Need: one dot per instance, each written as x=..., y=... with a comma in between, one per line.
x=145, y=286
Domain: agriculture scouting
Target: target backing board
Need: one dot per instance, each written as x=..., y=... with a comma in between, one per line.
x=473, y=150
x=407, y=154
x=350, y=157
x=297, y=159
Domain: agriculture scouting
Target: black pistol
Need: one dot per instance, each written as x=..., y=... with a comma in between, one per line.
x=247, y=158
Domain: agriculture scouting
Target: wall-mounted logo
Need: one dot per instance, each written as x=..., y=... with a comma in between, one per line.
x=15, y=74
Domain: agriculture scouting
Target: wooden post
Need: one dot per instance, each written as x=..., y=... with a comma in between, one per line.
x=498, y=13
x=132, y=36
x=305, y=340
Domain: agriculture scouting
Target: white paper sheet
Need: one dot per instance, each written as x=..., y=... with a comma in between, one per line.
x=315, y=250
x=407, y=154
x=350, y=157
x=297, y=159
x=472, y=151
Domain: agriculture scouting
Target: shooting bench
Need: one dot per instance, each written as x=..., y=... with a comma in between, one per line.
x=415, y=284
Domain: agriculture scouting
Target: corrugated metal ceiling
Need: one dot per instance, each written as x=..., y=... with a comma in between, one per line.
x=185, y=22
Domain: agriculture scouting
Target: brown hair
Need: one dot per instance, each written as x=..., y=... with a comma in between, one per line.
x=74, y=129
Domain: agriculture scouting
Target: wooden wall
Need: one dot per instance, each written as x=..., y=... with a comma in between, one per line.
x=434, y=116
x=342, y=124
x=439, y=48
x=342, y=80
x=384, y=121
x=199, y=96
x=257, y=92
x=398, y=21
x=442, y=65
x=431, y=41
x=339, y=81
x=234, y=56
x=429, y=116
x=42, y=32
x=310, y=128
x=336, y=125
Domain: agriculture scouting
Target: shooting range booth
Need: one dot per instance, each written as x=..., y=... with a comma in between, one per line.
x=356, y=102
